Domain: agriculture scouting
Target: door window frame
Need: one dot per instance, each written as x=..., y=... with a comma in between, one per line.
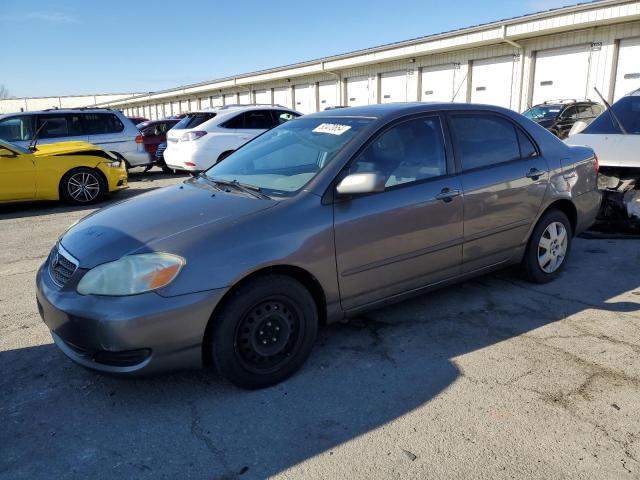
x=455, y=148
x=447, y=147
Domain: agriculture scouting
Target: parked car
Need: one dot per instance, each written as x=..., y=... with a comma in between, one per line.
x=153, y=134
x=108, y=129
x=559, y=116
x=205, y=137
x=316, y=220
x=76, y=172
x=615, y=137
x=137, y=120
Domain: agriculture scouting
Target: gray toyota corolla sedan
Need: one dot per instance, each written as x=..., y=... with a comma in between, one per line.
x=313, y=221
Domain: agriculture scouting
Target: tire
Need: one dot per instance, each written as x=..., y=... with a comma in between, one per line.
x=168, y=170
x=264, y=332
x=71, y=186
x=544, y=260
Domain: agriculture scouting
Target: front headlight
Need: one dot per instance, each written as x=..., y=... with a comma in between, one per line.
x=132, y=274
x=114, y=164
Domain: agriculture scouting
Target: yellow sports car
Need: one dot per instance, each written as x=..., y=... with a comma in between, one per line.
x=76, y=172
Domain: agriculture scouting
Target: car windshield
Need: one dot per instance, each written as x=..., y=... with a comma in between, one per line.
x=192, y=120
x=14, y=147
x=626, y=110
x=542, y=112
x=285, y=159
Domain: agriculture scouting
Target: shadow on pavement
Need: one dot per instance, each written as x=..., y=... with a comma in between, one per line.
x=62, y=421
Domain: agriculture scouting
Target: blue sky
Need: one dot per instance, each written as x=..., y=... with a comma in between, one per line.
x=65, y=47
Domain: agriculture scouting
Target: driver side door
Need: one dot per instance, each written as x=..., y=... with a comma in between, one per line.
x=17, y=176
x=409, y=235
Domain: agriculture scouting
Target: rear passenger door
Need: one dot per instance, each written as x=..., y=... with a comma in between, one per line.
x=60, y=127
x=504, y=179
x=105, y=130
x=254, y=122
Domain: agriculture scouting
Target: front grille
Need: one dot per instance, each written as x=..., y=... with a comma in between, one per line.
x=61, y=265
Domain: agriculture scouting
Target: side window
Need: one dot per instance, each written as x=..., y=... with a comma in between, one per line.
x=57, y=126
x=484, y=140
x=258, y=120
x=408, y=152
x=235, y=123
x=101, y=123
x=17, y=129
x=569, y=113
x=527, y=149
x=283, y=117
x=584, y=111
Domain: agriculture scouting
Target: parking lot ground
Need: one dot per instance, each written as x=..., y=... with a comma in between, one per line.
x=494, y=378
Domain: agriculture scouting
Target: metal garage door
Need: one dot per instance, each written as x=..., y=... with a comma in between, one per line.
x=205, y=102
x=327, y=94
x=441, y=83
x=184, y=106
x=393, y=87
x=282, y=96
x=491, y=81
x=357, y=91
x=561, y=73
x=175, y=108
x=216, y=101
x=262, y=96
x=302, y=99
x=230, y=99
x=244, y=98
x=628, y=74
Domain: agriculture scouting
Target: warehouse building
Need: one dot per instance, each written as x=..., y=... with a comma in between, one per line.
x=29, y=104
x=515, y=63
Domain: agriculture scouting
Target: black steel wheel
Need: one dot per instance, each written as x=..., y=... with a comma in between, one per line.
x=264, y=331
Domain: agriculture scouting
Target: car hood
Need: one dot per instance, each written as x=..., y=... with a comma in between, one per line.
x=60, y=148
x=142, y=223
x=613, y=150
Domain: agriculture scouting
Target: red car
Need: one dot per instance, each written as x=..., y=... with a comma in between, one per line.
x=153, y=133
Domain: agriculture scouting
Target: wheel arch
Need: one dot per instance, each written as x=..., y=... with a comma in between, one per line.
x=568, y=208
x=308, y=280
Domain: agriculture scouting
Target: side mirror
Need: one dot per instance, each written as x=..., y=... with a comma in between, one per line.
x=358, y=183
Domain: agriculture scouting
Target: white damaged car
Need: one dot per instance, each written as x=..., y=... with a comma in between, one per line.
x=615, y=138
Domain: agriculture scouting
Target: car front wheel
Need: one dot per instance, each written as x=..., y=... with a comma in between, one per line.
x=264, y=331
x=548, y=248
x=82, y=186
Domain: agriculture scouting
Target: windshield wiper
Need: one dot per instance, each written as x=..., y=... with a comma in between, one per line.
x=244, y=187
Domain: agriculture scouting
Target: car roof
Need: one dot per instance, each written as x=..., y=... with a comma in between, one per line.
x=390, y=110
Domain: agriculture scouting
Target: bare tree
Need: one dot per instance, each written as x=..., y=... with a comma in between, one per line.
x=4, y=92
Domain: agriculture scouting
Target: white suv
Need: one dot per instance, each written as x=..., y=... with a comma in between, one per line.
x=204, y=137
x=109, y=129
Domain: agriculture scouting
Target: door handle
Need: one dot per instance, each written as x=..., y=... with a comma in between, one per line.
x=535, y=174
x=446, y=194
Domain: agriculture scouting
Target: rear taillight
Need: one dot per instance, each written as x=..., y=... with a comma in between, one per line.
x=139, y=139
x=189, y=136
x=596, y=164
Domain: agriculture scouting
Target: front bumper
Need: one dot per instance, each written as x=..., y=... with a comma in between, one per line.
x=138, y=334
x=117, y=178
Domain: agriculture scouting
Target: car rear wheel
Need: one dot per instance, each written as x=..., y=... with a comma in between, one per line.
x=548, y=248
x=82, y=186
x=264, y=332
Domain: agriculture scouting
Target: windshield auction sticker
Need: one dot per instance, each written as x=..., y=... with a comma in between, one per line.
x=332, y=128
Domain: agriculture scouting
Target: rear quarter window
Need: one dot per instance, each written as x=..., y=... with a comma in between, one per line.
x=102, y=123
